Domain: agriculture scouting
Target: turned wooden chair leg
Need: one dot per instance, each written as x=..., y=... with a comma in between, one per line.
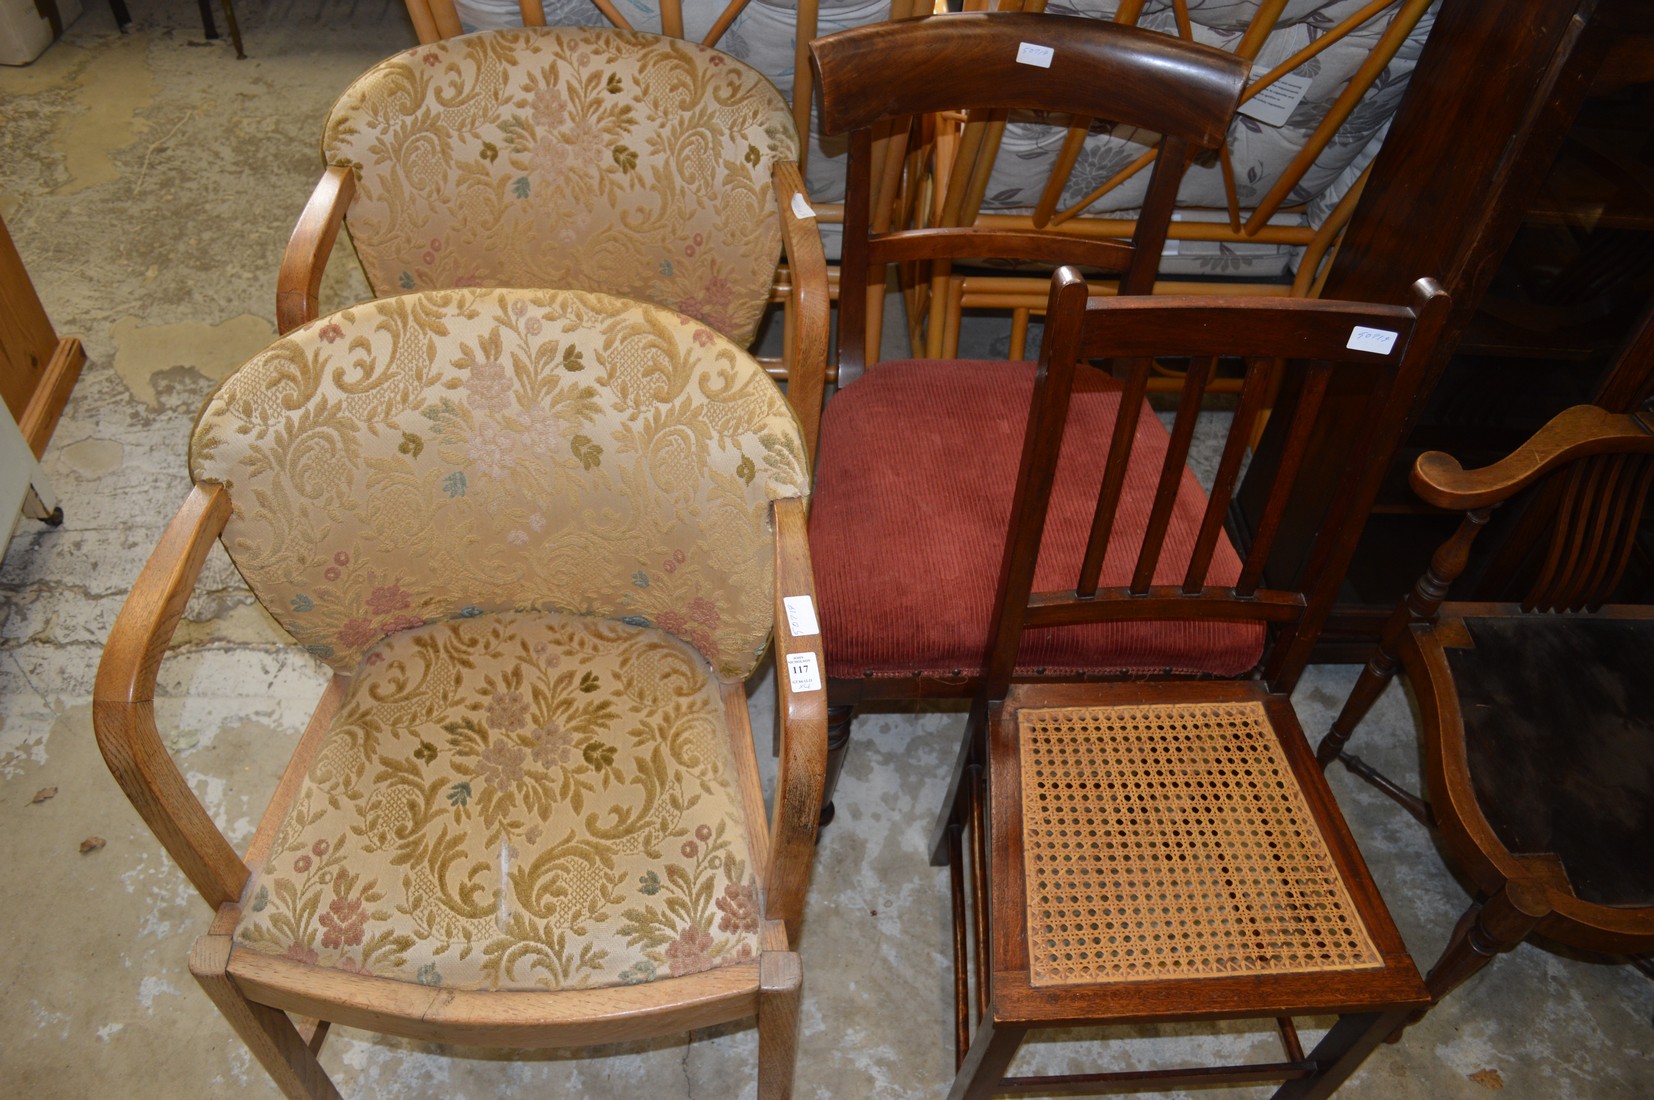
x=268, y=1032
x=1375, y=677
x=781, y=982
x=1486, y=929
x=838, y=744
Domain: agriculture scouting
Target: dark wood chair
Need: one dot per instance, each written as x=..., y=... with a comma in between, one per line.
x=1163, y=848
x=1538, y=743
x=915, y=460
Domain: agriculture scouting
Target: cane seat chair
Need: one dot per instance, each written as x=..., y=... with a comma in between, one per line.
x=1534, y=714
x=588, y=158
x=916, y=457
x=540, y=537
x=1163, y=848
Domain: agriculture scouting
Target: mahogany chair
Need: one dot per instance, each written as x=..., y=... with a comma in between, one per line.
x=541, y=538
x=592, y=158
x=1534, y=714
x=1162, y=847
x=915, y=460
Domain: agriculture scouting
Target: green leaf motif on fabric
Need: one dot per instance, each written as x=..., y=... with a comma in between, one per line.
x=428, y=975
x=459, y=794
x=412, y=445
x=406, y=281
x=262, y=898
x=649, y=883
x=589, y=682
x=614, y=86
x=520, y=187
x=454, y=484
x=590, y=454
x=626, y=158
x=303, y=603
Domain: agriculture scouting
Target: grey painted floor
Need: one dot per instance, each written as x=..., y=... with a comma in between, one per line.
x=150, y=182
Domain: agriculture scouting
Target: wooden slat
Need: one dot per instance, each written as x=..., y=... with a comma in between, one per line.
x=1166, y=602
x=1171, y=472
x=1254, y=392
x=1114, y=477
x=1303, y=421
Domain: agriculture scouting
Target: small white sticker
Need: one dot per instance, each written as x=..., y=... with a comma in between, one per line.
x=1039, y=56
x=801, y=616
x=802, y=209
x=802, y=672
x=1379, y=341
x=1273, y=106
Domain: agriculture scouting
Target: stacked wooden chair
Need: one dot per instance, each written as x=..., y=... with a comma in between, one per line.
x=541, y=538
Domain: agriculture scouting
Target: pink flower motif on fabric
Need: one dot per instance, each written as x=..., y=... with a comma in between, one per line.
x=688, y=954
x=344, y=922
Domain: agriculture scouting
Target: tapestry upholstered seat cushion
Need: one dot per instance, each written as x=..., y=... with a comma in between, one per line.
x=916, y=469
x=523, y=801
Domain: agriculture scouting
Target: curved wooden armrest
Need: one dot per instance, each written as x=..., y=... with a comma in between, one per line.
x=299, y=283
x=1578, y=432
x=803, y=719
x=123, y=700
x=808, y=305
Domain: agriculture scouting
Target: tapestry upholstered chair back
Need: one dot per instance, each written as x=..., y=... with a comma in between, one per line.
x=597, y=158
x=444, y=455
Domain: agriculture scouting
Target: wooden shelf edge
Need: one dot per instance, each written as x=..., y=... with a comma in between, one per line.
x=51, y=394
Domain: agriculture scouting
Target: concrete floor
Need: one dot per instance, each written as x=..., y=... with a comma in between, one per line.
x=150, y=182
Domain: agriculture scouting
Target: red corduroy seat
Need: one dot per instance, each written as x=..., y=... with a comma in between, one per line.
x=915, y=473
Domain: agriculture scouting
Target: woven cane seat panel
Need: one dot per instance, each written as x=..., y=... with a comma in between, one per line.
x=1172, y=841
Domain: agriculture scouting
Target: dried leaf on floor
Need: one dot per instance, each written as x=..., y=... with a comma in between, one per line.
x=92, y=844
x=1488, y=1079
x=43, y=794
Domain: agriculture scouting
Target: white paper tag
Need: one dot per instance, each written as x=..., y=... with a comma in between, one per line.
x=802, y=209
x=1039, y=56
x=1379, y=341
x=1273, y=106
x=802, y=672
x=801, y=616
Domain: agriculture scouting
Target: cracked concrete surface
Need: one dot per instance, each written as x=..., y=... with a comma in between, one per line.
x=150, y=182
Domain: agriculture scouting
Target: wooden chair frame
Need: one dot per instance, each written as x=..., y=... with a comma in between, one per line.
x=1312, y=342
x=969, y=61
x=960, y=176
x=282, y=1009
x=1592, y=513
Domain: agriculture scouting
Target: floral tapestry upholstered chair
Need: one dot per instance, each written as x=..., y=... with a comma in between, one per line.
x=541, y=538
x=591, y=158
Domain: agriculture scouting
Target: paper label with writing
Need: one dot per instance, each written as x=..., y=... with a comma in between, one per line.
x=802, y=672
x=801, y=616
x=1039, y=56
x=1379, y=341
x=1273, y=106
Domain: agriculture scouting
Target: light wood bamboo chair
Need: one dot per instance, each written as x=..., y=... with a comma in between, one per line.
x=583, y=157
x=527, y=810
x=1160, y=847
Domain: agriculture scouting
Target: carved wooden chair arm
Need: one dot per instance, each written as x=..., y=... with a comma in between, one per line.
x=802, y=714
x=808, y=303
x=123, y=700
x=298, y=284
x=1572, y=433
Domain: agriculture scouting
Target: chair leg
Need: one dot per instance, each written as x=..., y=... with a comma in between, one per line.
x=781, y=980
x=1375, y=677
x=1341, y=1052
x=268, y=1032
x=989, y=1056
x=1486, y=929
x=838, y=744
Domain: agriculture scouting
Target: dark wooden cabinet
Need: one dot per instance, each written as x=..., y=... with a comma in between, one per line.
x=1520, y=174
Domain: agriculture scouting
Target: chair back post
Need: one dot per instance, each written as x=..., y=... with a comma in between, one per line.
x=987, y=64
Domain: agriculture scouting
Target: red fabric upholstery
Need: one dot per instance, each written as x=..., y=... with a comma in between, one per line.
x=916, y=469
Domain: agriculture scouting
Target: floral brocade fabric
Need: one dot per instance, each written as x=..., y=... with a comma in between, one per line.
x=519, y=801
x=442, y=455
x=569, y=157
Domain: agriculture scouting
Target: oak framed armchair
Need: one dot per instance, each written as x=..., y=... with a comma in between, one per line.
x=541, y=538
